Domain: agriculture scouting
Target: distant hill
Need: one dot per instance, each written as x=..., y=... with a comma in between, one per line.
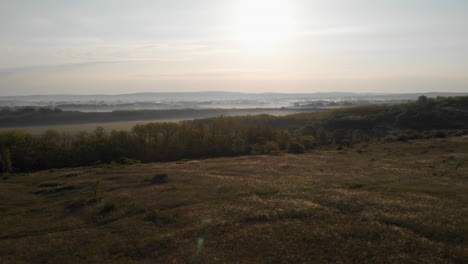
x=217, y=95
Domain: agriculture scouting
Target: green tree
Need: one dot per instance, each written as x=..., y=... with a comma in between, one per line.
x=295, y=147
x=308, y=142
x=5, y=161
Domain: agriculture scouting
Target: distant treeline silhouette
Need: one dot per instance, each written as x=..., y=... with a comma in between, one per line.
x=231, y=136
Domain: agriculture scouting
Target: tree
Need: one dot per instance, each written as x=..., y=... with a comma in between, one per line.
x=422, y=99
x=295, y=147
x=308, y=142
x=5, y=161
x=271, y=147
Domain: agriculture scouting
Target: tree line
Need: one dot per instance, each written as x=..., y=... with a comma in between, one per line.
x=232, y=136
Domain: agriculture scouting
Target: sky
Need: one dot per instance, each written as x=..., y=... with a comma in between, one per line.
x=289, y=46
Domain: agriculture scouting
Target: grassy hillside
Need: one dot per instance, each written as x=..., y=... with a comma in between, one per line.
x=377, y=203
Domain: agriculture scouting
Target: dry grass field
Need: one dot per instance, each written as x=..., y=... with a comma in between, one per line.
x=376, y=203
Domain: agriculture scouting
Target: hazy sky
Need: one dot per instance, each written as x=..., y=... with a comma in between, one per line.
x=117, y=46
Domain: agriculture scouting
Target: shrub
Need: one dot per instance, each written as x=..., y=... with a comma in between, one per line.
x=49, y=184
x=155, y=217
x=427, y=134
x=256, y=149
x=414, y=135
x=403, y=137
x=80, y=203
x=354, y=186
x=440, y=134
x=106, y=209
x=5, y=161
x=128, y=161
x=390, y=139
x=309, y=142
x=159, y=178
x=113, y=165
x=295, y=148
x=271, y=147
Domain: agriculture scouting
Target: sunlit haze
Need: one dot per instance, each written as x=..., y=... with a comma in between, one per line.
x=287, y=46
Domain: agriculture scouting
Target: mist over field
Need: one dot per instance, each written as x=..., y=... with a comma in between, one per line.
x=208, y=100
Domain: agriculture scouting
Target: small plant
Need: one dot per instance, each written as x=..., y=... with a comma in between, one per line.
x=155, y=217
x=70, y=175
x=159, y=178
x=390, y=139
x=5, y=176
x=5, y=161
x=96, y=187
x=113, y=165
x=354, y=186
x=80, y=203
x=309, y=142
x=403, y=137
x=440, y=134
x=271, y=147
x=129, y=161
x=295, y=148
x=107, y=209
x=49, y=184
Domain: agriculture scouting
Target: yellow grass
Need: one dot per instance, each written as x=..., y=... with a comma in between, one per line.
x=385, y=203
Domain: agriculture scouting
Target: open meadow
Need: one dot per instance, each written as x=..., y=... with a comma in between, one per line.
x=374, y=203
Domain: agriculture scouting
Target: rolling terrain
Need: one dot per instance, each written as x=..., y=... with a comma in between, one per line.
x=373, y=203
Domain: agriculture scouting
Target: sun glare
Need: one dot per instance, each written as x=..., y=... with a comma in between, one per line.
x=264, y=25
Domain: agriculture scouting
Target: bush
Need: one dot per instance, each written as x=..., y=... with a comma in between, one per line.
x=309, y=142
x=440, y=134
x=256, y=149
x=390, y=139
x=48, y=184
x=295, y=148
x=271, y=147
x=155, y=217
x=127, y=161
x=80, y=203
x=106, y=209
x=5, y=161
x=414, y=135
x=427, y=134
x=403, y=137
x=160, y=178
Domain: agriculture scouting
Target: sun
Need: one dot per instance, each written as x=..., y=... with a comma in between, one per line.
x=264, y=25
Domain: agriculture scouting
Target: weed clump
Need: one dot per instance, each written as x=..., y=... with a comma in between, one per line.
x=354, y=186
x=155, y=217
x=129, y=161
x=59, y=190
x=106, y=209
x=159, y=178
x=49, y=184
x=403, y=137
x=295, y=148
x=80, y=203
x=440, y=134
x=182, y=161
